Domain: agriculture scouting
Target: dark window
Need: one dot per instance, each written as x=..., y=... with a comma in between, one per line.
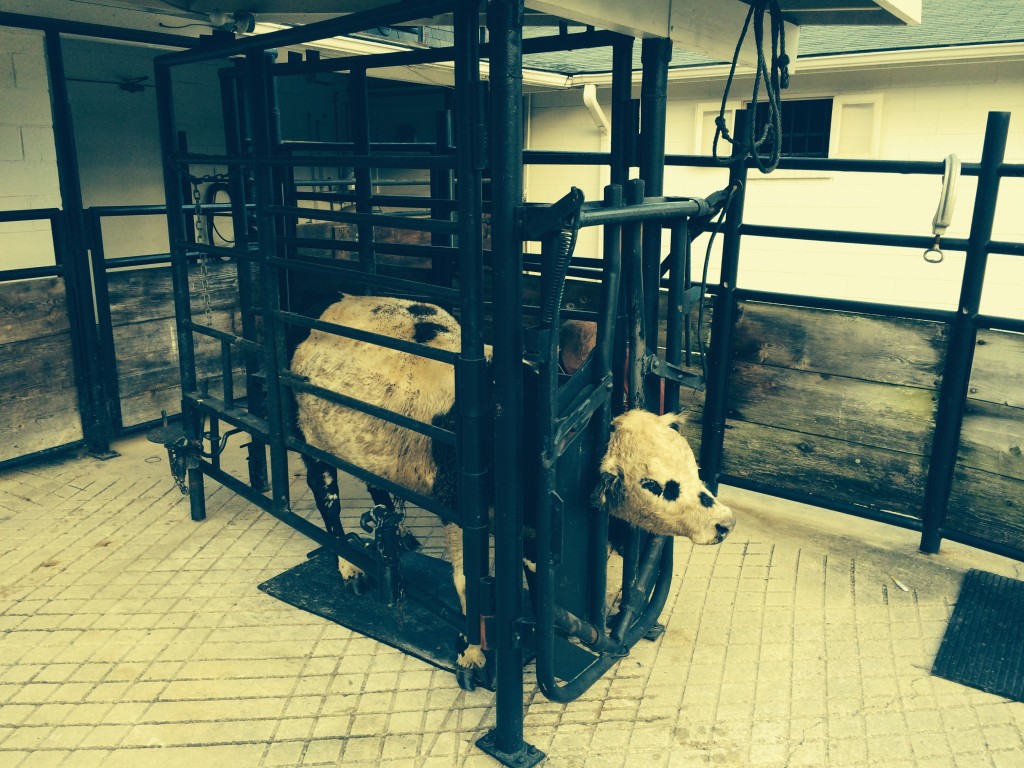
x=805, y=126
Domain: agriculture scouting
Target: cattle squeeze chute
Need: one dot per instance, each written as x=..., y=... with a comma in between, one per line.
x=459, y=406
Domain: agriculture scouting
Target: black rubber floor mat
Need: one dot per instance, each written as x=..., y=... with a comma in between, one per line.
x=315, y=586
x=984, y=643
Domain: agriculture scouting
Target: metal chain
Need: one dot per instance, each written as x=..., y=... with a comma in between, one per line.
x=204, y=267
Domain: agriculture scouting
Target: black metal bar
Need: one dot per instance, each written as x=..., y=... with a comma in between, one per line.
x=317, y=161
x=38, y=214
x=636, y=316
x=26, y=273
x=648, y=211
x=504, y=21
x=299, y=384
x=962, y=338
x=1000, y=323
x=722, y=322
x=191, y=420
x=368, y=220
x=259, y=100
x=857, y=238
x=334, y=267
x=636, y=335
x=246, y=345
x=609, y=366
x=359, y=126
x=105, y=326
x=680, y=263
x=622, y=94
x=240, y=192
x=841, y=305
x=442, y=187
x=471, y=389
x=97, y=425
x=655, y=56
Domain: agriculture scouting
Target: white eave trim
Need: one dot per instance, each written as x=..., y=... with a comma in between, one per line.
x=844, y=62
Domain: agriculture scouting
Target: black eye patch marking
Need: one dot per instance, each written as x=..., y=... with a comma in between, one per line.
x=426, y=331
x=707, y=499
x=671, y=490
x=676, y=427
x=421, y=310
x=652, y=486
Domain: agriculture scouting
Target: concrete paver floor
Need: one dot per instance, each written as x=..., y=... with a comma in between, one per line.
x=131, y=636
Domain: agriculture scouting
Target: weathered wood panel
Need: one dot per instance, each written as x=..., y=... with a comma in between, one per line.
x=146, y=294
x=34, y=366
x=145, y=338
x=998, y=363
x=826, y=467
x=30, y=309
x=37, y=422
x=992, y=439
x=867, y=413
x=38, y=396
x=988, y=506
x=883, y=349
x=147, y=366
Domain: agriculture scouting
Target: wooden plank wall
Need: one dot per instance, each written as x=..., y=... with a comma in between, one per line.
x=145, y=341
x=834, y=404
x=38, y=398
x=987, y=498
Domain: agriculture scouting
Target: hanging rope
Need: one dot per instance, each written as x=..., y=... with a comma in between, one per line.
x=775, y=78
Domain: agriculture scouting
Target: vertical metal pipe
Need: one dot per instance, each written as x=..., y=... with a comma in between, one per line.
x=505, y=20
x=258, y=82
x=605, y=360
x=442, y=186
x=963, y=338
x=722, y=321
x=176, y=229
x=632, y=265
x=655, y=56
x=632, y=262
x=471, y=390
x=105, y=326
x=359, y=116
x=239, y=192
x=680, y=242
x=622, y=109
x=93, y=406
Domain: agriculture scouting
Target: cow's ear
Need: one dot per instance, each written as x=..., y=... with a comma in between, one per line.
x=610, y=491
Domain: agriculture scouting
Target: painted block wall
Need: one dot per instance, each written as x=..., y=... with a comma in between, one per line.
x=28, y=171
x=117, y=135
x=923, y=113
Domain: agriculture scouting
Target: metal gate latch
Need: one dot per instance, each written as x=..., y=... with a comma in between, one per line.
x=182, y=454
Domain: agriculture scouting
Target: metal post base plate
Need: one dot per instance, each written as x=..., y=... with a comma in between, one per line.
x=526, y=756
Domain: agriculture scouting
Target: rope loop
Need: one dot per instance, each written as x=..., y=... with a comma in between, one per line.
x=775, y=77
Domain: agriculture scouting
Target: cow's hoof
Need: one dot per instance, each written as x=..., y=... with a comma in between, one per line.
x=360, y=584
x=466, y=677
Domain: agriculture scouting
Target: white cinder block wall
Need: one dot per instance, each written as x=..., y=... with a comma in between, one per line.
x=28, y=169
x=903, y=113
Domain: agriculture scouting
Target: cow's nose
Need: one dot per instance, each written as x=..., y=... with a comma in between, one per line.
x=723, y=530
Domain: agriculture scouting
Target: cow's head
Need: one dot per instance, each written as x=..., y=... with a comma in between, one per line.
x=649, y=478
